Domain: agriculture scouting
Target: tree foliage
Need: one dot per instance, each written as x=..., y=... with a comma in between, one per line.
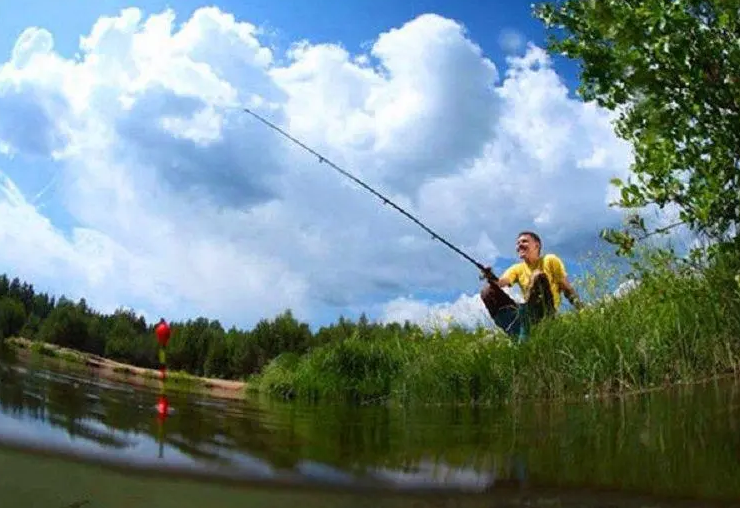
x=672, y=71
x=12, y=317
x=198, y=346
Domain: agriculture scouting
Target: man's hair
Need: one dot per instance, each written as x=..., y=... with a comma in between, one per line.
x=534, y=235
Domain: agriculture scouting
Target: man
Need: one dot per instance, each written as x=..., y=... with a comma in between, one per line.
x=541, y=278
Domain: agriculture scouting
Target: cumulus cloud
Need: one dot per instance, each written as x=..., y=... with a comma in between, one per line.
x=510, y=40
x=467, y=311
x=387, y=116
x=185, y=205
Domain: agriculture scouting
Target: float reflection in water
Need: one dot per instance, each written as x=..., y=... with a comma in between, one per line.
x=115, y=445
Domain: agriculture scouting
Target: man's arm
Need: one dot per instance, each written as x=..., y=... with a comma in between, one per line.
x=565, y=286
x=504, y=281
x=570, y=293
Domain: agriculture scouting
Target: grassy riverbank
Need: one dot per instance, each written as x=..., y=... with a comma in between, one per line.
x=677, y=325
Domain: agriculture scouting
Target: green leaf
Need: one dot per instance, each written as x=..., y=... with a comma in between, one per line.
x=674, y=79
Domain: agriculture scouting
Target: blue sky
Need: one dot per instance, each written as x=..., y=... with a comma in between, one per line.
x=351, y=23
x=519, y=141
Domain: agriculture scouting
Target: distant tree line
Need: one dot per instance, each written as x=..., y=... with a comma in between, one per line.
x=201, y=346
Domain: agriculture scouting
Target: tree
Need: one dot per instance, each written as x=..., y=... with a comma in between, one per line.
x=672, y=70
x=125, y=343
x=12, y=317
x=66, y=326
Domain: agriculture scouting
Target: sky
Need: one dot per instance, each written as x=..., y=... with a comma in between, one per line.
x=130, y=176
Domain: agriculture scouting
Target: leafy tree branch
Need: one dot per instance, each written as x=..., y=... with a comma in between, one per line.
x=671, y=69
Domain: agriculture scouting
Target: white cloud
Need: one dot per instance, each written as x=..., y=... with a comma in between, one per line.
x=510, y=40
x=467, y=310
x=188, y=206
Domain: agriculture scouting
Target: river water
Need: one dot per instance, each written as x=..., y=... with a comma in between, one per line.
x=71, y=440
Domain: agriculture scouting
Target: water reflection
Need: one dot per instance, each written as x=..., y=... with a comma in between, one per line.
x=683, y=444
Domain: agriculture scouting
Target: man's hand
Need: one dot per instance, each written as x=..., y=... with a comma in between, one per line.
x=488, y=275
x=574, y=299
x=571, y=294
x=576, y=302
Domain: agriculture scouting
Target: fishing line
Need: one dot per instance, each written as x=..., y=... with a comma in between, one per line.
x=383, y=198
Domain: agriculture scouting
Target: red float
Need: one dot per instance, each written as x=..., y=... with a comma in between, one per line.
x=163, y=332
x=163, y=407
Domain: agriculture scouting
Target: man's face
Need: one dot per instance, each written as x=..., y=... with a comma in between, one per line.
x=526, y=247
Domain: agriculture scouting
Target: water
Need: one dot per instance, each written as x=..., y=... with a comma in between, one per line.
x=68, y=439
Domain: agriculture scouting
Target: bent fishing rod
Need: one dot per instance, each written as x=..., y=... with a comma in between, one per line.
x=488, y=273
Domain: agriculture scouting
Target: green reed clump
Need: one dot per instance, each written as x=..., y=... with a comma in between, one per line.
x=459, y=365
x=455, y=366
x=354, y=369
x=279, y=375
x=678, y=324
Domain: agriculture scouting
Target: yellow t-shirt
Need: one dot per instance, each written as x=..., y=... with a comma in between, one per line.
x=550, y=264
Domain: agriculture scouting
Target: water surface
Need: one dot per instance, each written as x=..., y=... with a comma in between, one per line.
x=68, y=437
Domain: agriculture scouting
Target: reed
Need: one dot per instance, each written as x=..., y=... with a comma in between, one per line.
x=679, y=324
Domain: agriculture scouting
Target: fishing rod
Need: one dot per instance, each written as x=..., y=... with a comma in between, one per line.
x=488, y=274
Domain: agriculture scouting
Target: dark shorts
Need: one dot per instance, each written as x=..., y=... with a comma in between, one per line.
x=513, y=320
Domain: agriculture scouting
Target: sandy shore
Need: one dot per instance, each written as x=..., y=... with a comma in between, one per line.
x=122, y=372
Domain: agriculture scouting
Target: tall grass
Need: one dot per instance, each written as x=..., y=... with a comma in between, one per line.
x=677, y=324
